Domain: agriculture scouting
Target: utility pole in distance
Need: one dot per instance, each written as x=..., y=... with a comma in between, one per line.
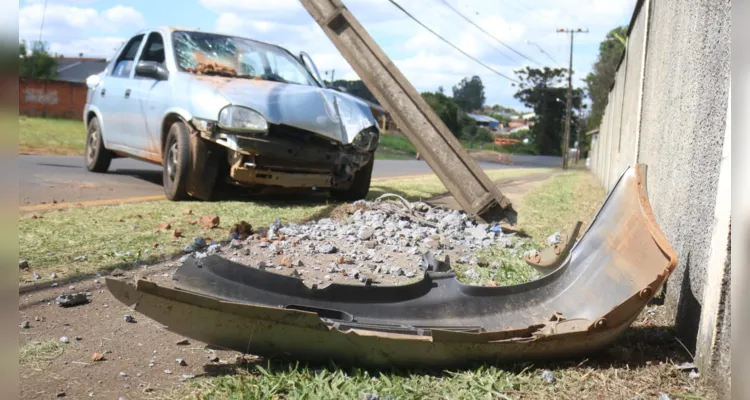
x=566, y=140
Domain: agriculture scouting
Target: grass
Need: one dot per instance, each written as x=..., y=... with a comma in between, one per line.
x=35, y=352
x=126, y=236
x=639, y=365
x=380, y=155
x=51, y=136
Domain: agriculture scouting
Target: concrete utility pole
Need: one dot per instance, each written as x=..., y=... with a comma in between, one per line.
x=566, y=140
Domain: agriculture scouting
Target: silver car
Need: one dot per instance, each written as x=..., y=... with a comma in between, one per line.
x=212, y=108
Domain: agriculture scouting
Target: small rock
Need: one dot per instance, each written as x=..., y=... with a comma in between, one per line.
x=694, y=375
x=326, y=248
x=365, y=233
x=36, y=276
x=53, y=275
x=186, y=377
x=177, y=233
x=117, y=272
x=60, y=394
x=199, y=242
x=236, y=244
x=64, y=339
x=410, y=274
x=187, y=211
x=297, y=263
x=209, y=221
x=472, y=274
x=129, y=318
x=168, y=372
x=685, y=366
x=213, y=249
x=165, y=226
x=97, y=357
x=213, y=358
x=663, y=396
x=181, y=361
x=371, y=244
x=25, y=324
x=123, y=374
x=23, y=264
x=183, y=342
x=71, y=300
x=554, y=238
x=548, y=376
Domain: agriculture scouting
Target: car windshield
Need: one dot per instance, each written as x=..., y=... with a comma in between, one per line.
x=212, y=54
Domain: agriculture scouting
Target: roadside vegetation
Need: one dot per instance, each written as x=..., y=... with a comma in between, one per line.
x=50, y=136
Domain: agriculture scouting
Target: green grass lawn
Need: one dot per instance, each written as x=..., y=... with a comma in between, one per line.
x=51, y=136
x=126, y=235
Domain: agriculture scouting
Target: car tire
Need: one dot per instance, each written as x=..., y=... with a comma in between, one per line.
x=176, y=162
x=360, y=184
x=97, y=157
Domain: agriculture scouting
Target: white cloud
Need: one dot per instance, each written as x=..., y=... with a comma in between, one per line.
x=119, y=17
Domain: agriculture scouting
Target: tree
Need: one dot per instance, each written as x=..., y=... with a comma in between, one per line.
x=545, y=91
x=599, y=81
x=469, y=94
x=355, y=88
x=446, y=109
x=37, y=64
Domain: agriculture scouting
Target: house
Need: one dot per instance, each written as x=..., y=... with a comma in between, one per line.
x=77, y=69
x=485, y=121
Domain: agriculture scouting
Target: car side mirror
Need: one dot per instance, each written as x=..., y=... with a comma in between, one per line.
x=151, y=69
x=92, y=81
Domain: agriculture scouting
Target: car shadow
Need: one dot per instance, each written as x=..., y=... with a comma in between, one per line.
x=150, y=176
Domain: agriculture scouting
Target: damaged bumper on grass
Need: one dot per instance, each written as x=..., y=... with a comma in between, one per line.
x=582, y=305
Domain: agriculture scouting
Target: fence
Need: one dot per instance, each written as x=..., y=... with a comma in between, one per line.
x=50, y=98
x=668, y=108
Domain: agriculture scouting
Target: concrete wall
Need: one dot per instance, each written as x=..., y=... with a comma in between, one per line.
x=669, y=109
x=49, y=98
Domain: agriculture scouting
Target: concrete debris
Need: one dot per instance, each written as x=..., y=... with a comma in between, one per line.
x=64, y=339
x=168, y=372
x=123, y=374
x=71, y=300
x=129, y=318
x=25, y=325
x=548, y=376
x=554, y=239
x=181, y=362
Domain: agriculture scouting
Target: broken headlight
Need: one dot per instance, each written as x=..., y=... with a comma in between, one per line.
x=235, y=118
x=367, y=140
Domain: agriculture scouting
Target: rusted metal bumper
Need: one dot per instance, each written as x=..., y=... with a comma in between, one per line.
x=600, y=288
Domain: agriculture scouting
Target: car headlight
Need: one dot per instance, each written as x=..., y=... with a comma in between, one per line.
x=237, y=118
x=367, y=140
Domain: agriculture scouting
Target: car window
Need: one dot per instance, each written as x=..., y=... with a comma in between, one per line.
x=125, y=61
x=154, y=49
x=213, y=54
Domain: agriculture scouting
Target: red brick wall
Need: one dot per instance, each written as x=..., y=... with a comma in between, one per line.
x=48, y=98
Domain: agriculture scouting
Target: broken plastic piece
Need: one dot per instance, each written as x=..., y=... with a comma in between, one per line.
x=579, y=307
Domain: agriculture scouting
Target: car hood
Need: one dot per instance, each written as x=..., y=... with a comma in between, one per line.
x=332, y=114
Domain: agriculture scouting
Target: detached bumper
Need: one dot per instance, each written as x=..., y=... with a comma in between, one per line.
x=586, y=302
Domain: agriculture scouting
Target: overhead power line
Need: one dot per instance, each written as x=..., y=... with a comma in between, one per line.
x=451, y=44
x=543, y=52
x=485, y=32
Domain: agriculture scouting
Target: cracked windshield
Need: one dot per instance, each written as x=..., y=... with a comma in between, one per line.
x=210, y=54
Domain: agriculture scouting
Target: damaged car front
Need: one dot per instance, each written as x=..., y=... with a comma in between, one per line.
x=273, y=117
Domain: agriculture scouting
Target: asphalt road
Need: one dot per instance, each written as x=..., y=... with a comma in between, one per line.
x=64, y=179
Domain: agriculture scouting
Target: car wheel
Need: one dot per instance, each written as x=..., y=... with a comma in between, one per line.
x=176, y=162
x=360, y=184
x=97, y=157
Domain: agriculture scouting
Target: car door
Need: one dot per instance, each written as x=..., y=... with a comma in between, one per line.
x=119, y=111
x=153, y=96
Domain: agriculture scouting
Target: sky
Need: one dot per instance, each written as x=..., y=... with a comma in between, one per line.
x=97, y=28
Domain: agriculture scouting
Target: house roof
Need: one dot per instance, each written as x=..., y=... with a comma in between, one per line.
x=78, y=69
x=482, y=118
